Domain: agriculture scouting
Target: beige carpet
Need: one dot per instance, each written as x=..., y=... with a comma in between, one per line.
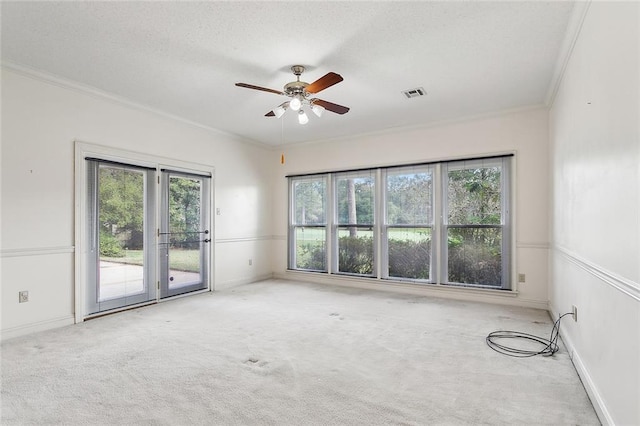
x=284, y=353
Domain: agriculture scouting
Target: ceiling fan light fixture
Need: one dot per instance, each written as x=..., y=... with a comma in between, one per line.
x=317, y=110
x=279, y=110
x=302, y=117
x=295, y=103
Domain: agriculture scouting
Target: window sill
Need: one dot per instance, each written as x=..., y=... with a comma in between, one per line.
x=418, y=289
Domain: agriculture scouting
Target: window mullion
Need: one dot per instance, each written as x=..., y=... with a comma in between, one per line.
x=439, y=261
x=329, y=221
x=505, y=177
x=291, y=261
x=380, y=221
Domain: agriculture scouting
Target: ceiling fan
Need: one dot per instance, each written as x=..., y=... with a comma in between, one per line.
x=300, y=93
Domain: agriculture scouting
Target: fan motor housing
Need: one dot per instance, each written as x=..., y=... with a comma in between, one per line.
x=295, y=88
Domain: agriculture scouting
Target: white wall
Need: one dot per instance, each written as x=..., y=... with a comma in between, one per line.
x=524, y=132
x=40, y=122
x=595, y=162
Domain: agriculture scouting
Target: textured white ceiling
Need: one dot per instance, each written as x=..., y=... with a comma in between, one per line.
x=183, y=58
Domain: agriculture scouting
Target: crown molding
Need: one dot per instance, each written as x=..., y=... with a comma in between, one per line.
x=417, y=127
x=119, y=100
x=566, y=49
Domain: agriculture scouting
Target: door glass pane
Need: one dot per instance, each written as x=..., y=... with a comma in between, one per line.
x=409, y=252
x=120, y=232
x=185, y=230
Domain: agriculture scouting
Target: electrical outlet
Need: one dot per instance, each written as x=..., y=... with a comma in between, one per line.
x=574, y=312
x=250, y=262
x=521, y=278
x=23, y=296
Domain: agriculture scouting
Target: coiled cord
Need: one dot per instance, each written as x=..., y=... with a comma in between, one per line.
x=548, y=346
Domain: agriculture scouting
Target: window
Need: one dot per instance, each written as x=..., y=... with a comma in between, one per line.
x=408, y=224
x=475, y=212
x=308, y=224
x=354, y=229
x=442, y=223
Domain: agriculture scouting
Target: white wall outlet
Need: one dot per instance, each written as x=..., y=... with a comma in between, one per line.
x=250, y=262
x=521, y=278
x=574, y=312
x=218, y=212
x=23, y=296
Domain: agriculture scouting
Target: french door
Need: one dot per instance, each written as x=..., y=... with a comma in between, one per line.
x=122, y=249
x=184, y=233
x=144, y=244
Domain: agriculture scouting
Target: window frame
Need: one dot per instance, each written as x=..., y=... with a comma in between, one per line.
x=386, y=226
x=294, y=226
x=505, y=220
x=438, y=272
x=337, y=225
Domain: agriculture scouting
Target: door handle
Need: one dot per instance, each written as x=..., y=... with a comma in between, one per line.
x=183, y=233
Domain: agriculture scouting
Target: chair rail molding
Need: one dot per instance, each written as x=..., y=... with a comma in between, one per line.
x=627, y=286
x=36, y=251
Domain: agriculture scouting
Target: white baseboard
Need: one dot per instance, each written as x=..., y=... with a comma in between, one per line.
x=223, y=285
x=459, y=293
x=22, y=330
x=596, y=400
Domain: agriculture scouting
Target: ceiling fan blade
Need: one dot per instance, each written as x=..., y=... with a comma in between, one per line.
x=322, y=83
x=338, y=109
x=264, y=89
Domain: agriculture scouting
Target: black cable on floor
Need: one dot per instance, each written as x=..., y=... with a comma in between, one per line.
x=549, y=346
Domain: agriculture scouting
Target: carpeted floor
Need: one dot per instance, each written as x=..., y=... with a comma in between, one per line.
x=285, y=353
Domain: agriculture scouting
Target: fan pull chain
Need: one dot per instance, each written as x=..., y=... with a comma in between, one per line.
x=282, y=139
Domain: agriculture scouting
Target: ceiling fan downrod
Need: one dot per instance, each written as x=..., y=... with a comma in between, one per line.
x=296, y=87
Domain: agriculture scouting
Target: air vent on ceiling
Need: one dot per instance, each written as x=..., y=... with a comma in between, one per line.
x=414, y=93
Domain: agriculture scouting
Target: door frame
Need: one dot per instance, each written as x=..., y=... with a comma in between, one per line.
x=81, y=269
